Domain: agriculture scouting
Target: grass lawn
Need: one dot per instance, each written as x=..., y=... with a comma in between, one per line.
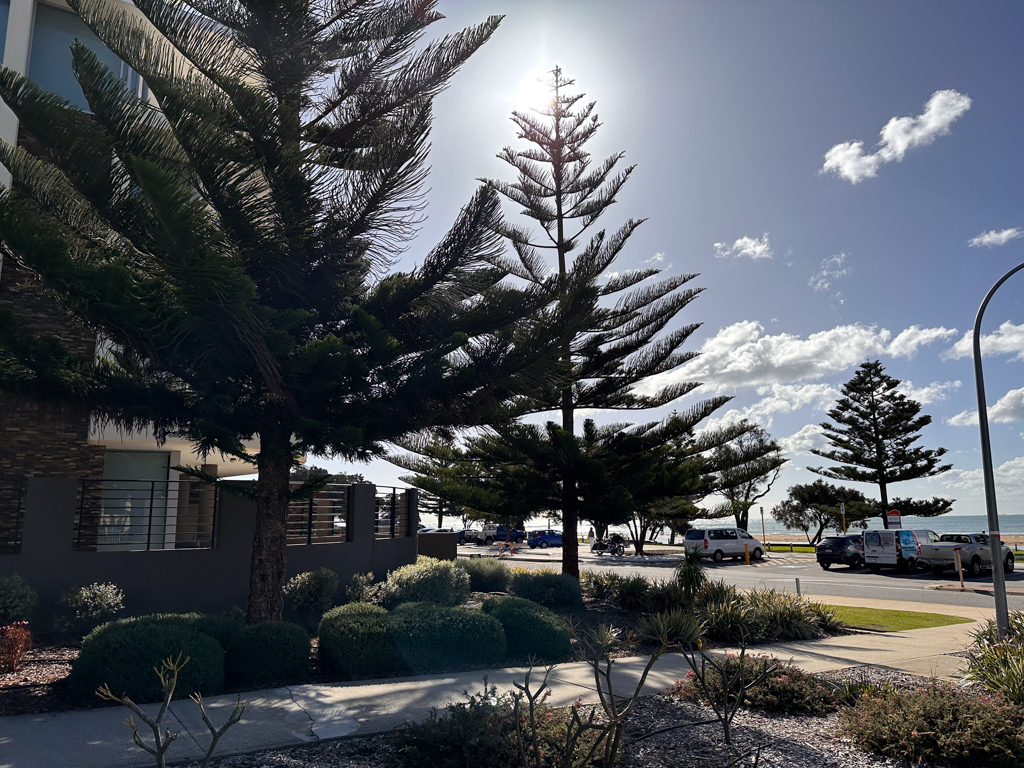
x=883, y=620
x=796, y=548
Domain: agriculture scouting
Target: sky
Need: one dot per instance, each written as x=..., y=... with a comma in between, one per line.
x=846, y=178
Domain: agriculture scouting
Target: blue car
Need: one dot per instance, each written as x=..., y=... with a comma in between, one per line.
x=545, y=539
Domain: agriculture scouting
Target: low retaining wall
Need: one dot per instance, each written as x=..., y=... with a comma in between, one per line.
x=175, y=580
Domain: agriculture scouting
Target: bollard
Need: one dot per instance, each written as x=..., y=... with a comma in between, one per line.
x=791, y=547
x=798, y=588
x=959, y=565
x=746, y=552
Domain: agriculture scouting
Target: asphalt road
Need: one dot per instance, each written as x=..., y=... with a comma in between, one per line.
x=781, y=570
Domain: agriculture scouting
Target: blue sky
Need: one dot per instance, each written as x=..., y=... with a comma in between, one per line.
x=729, y=110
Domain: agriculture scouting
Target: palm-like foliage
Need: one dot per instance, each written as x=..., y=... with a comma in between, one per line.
x=231, y=241
x=621, y=315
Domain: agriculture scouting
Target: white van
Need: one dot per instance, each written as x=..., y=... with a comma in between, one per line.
x=720, y=543
x=895, y=547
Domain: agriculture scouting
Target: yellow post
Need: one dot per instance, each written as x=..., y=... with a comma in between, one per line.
x=746, y=552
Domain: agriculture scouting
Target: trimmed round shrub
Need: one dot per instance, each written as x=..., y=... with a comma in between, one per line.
x=16, y=599
x=354, y=642
x=124, y=653
x=531, y=630
x=486, y=574
x=432, y=638
x=427, y=580
x=551, y=589
x=264, y=654
x=221, y=628
x=313, y=591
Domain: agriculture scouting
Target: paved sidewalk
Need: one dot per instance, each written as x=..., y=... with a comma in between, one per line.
x=307, y=713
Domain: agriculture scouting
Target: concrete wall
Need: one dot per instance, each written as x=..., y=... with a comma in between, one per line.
x=181, y=580
x=443, y=546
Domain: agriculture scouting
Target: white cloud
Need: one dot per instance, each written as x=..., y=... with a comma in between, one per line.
x=935, y=392
x=907, y=342
x=833, y=268
x=848, y=160
x=657, y=258
x=1007, y=340
x=1008, y=408
x=801, y=443
x=741, y=355
x=1009, y=479
x=745, y=246
x=993, y=238
x=779, y=398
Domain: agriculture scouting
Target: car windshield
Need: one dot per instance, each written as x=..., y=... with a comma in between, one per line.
x=695, y=534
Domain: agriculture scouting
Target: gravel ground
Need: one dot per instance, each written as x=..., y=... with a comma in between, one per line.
x=774, y=741
x=39, y=683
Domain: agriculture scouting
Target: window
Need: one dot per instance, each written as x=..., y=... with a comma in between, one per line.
x=745, y=535
x=872, y=539
x=694, y=535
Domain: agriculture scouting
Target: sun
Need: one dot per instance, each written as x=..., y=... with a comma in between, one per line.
x=531, y=93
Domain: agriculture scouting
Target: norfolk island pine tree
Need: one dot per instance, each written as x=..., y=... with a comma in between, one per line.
x=233, y=245
x=617, y=347
x=873, y=441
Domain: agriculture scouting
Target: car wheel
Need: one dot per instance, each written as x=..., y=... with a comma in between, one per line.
x=974, y=569
x=911, y=566
x=488, y=541
x=519, y=540
x=856, y=563
x=937, y=572
x=543, y=545
x=825, y=566
x=719, y=556
x=1008, y=564
x=533, y=546
x=875, y=568
x=757, y=554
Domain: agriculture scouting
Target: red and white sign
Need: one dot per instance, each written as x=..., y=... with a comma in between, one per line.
x=893, y=518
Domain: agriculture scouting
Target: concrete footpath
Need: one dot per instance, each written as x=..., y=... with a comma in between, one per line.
x=303, y=714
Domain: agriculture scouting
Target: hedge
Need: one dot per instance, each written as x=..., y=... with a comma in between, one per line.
x=354, y=642
x=433, y=638
x=531, y=630
x=265, y=654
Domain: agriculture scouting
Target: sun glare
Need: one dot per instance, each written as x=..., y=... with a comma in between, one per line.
x=532, y=94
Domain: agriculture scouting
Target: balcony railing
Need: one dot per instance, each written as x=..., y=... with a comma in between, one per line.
x=394, y=513
x=322, y=519
x=134, y=515
x=12, y=513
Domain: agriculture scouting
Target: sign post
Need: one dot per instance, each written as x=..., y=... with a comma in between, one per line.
x=763, y=537
x=893, y=519
x=842, y=511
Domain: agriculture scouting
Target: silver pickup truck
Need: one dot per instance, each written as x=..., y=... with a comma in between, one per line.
x=975, y=554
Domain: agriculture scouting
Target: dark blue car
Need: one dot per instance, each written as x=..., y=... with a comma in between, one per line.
x=545, y=539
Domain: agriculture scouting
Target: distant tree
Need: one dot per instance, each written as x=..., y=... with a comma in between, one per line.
x=818, y=507
x=873, y=439
x=305, y=473
x=748, y=468
x=234, y=243
x=615, y=346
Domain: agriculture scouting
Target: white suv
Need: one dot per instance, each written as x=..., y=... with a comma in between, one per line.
x=720, y=543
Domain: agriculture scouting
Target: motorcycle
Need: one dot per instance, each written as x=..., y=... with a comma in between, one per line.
x=613, y=545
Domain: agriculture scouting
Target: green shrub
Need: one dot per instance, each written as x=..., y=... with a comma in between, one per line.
x=938, y=724
x=631, y=592
x=482, y=732
x=599, y=586
x=17, y=599
x=666, y=596
x=825, y=618
x=123, y=654
x=486, y=574
x=678, y=627
x=361, y=588
x=355, y=643
x=220, y=627
x=432, y=638
x=997, y=668
x=727, y=622
x=265, y=654
x=780, y=616
x=531, y=630
x=89, y=606
x=787, y=690
x=312, y=592
x=690, y=575
x=716, y=592
x=551, y=589
x=427, y=580
x=989, y=631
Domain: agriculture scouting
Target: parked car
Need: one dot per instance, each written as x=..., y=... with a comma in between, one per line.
x=545, y=539
x=720, y=543
x=847, y=549
x=467, y=535
x=895, y=547
x=496, y=533
x=975, y=554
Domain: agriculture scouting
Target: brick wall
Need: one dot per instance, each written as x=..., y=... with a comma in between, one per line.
x=35, y=441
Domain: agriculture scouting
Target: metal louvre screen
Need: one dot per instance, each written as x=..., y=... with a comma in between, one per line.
x=322, y=519
x=142, y=515
x=393, y=513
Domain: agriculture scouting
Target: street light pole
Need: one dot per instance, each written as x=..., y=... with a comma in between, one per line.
x=995, y=542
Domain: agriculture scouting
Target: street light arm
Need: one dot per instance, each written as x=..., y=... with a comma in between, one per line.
x=995, y=542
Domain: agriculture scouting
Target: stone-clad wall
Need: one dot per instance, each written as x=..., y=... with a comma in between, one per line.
x=34, y=442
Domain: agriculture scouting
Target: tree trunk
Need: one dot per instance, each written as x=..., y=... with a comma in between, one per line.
x=885, y=503
x=269, y=545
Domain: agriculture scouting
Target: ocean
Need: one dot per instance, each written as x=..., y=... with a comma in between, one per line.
x=1008, y=524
